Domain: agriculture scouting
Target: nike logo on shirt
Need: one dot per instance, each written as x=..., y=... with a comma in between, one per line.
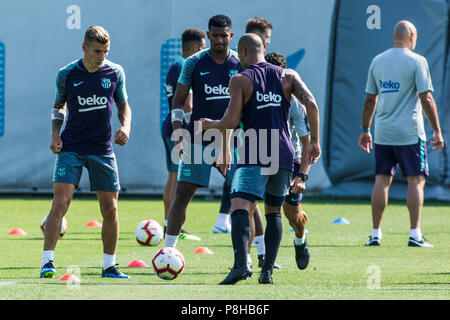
x=76, y=84
x=204, y=73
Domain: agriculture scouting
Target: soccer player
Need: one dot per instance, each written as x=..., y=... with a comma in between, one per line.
x=192, y=41
x=398, y=87
x=263, y=28
x=87, y=88
x=208, y=73
x=292, y=207
x=260, y=100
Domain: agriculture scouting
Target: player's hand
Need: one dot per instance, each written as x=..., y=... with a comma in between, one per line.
x=122, y=135
x=179, y=148
x=223, y=164
x=298, y=185
x=365, y=141
x=56, y=144
x=438, y=141
x=205, y=124
x=313, y=152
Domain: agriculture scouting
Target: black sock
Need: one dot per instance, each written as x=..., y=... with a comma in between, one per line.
x=272, y=239
x=225, y=204
x=240, y=235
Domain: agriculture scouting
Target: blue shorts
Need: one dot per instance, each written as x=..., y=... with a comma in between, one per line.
x=248, y=183
x=292, y=198
x=168, y=145
x=412, y=159
x=103, y=171
x=193, y=167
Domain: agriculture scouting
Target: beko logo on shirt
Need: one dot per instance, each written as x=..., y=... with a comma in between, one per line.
x=94, y=101
x=389, y=86
x=274, y=100
x=220, y=90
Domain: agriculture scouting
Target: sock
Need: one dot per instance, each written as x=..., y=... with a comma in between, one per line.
x=249, y=259
x=171, y=241
x=415, y=234
x=222, y=219
x=299, y=241
x=272, y=239
x=165, y=223
x=108, y=260
x=225, y=203
x=260, y=245
x=376, y=233
x=47, y=255
x=240, y=234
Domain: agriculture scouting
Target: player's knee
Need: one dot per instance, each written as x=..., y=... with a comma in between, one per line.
x=416, y=180
x=60, y=205
x=184, y=193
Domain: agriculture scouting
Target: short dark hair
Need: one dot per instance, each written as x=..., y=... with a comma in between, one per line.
x=192, y=34
x=257, y=24
x=219, y=21
x=277, y=59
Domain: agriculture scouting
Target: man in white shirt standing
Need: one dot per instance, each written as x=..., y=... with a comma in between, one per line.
x=398, y=87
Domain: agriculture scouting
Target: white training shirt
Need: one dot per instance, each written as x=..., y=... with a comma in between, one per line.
x=397, y=76
x=298, y=125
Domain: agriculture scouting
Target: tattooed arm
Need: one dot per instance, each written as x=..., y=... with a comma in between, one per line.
x=58, y=114
x=301, y=92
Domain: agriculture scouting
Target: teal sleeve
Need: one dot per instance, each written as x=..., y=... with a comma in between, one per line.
x=61, y=93
x=120, y=94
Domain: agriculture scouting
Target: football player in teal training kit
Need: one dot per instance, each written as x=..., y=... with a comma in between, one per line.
x=192, y=41
x=208, y=73
x=260, y=100
x=87, y=88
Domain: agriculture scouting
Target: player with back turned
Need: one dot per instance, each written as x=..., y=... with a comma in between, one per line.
x=251, y=182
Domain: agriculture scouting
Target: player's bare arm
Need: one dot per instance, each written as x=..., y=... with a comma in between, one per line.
x=298, y=185
x=239, y=84
x=365, y=139
x=430, y=110
x=124, y=114
x=58, y=115
x=302, y=93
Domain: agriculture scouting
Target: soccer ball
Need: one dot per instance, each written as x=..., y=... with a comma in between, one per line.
x=63, y=226
x=168, y=263
x=149, y=233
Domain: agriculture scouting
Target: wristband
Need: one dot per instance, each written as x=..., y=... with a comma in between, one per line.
x=177, y=115
x=57, y=114
x=304, y=176
x=364, y=129
x=187, y=117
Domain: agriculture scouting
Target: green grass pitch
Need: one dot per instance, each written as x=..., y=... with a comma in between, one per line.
x=341, y=267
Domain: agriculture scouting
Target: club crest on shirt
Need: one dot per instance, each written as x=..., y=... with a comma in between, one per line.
x=106, y=83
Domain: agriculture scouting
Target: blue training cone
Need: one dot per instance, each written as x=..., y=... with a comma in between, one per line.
x=341, y=220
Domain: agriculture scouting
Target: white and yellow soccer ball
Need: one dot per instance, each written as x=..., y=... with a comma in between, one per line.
x=149, y=233
x=64, y=226
x=168, y=263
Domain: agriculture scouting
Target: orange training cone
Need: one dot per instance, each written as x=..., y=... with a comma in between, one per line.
x=69, y=277
x=93, y=223
x=137, y=264
x=203, y=250
x=17, y=232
